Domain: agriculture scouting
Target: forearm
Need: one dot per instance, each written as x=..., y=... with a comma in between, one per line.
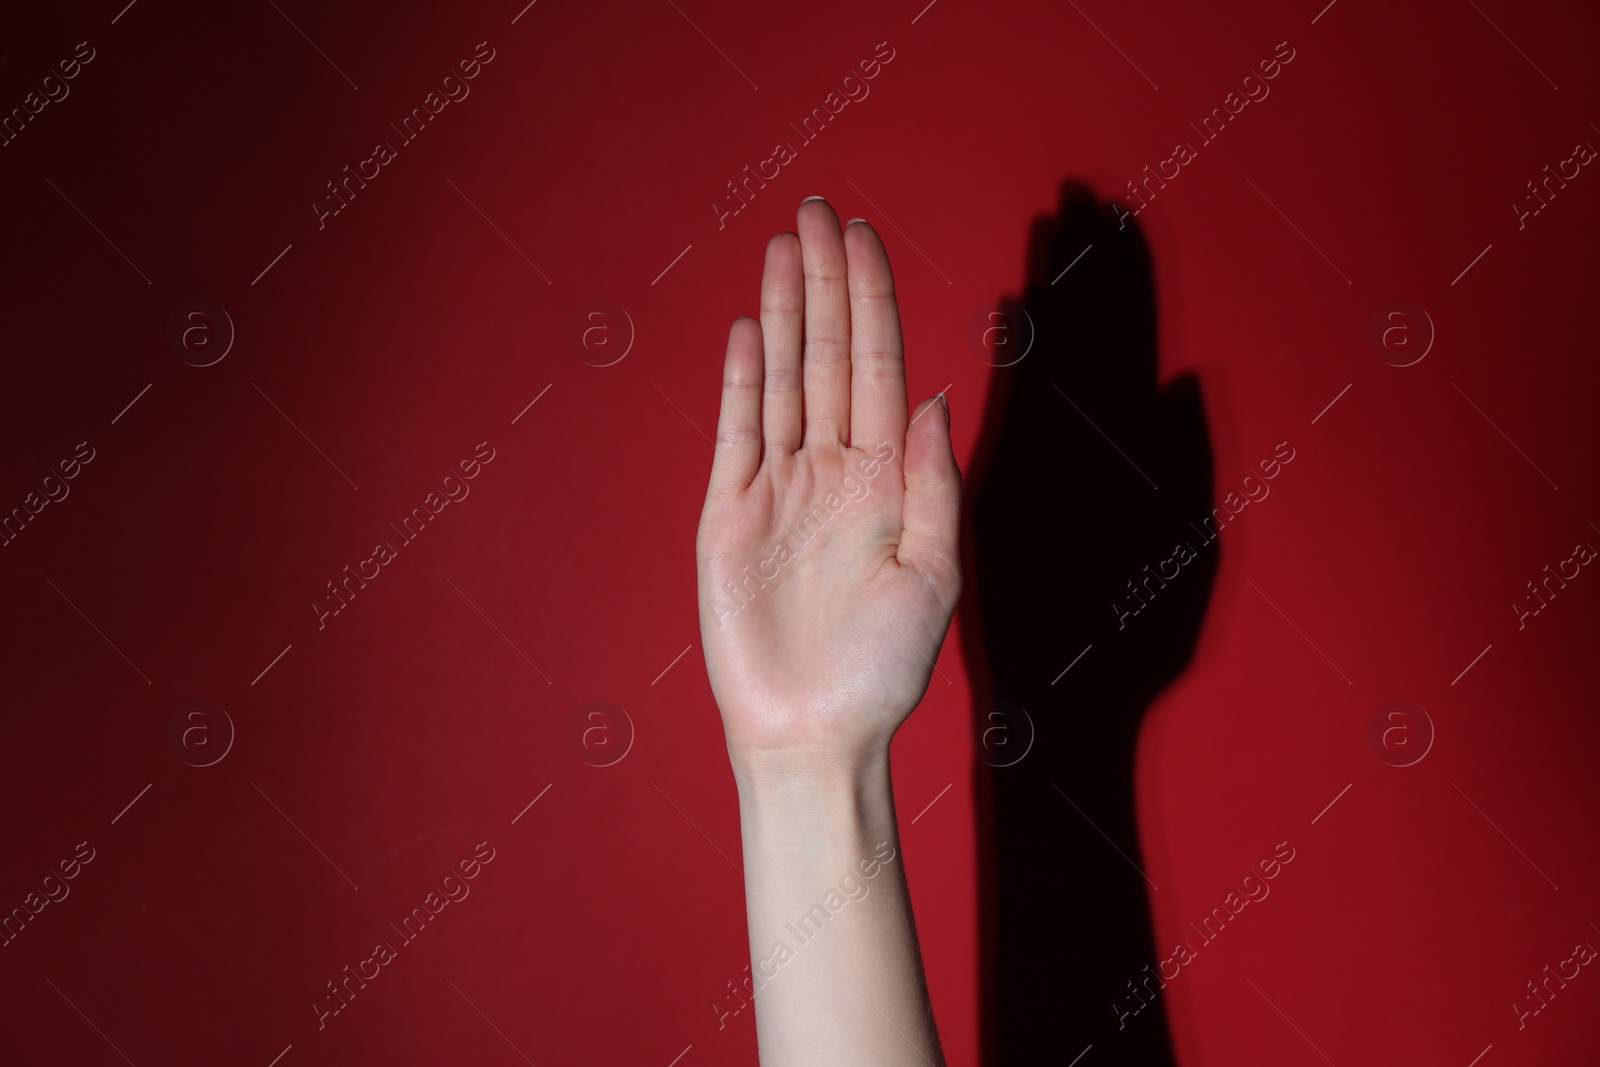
x=834, y=958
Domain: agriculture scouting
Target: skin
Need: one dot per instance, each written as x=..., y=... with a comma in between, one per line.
x=815, y=666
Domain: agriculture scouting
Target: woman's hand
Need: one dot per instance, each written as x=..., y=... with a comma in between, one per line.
x=828, y=567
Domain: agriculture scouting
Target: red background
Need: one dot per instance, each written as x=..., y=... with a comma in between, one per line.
x=411, y=327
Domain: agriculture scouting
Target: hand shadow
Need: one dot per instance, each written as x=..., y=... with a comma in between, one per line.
x=1087, y=473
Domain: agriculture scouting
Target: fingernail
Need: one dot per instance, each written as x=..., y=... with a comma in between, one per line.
x=944, y=402
x=857, y=219
x=808, y=199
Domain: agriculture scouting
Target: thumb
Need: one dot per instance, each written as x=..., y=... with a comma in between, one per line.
x=932, y=509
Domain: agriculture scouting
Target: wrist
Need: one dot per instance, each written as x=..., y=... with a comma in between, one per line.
x=797, y=774
x=815, y=795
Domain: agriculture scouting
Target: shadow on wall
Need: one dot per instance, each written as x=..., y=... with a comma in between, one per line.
x=1086, y=476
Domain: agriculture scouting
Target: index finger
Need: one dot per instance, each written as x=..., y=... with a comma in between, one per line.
x=877, y=355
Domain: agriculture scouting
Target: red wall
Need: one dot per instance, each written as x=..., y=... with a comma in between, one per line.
x=373, y=750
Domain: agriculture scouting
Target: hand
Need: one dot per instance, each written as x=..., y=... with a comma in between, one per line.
x=828, y=566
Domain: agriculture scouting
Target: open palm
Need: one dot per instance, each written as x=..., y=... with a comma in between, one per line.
x=828, y=567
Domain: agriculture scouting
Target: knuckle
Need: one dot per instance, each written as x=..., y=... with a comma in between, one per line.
x=878, y=363
x=825, y=349
x=782, y=380
x=735, y=434
x=780, y=302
